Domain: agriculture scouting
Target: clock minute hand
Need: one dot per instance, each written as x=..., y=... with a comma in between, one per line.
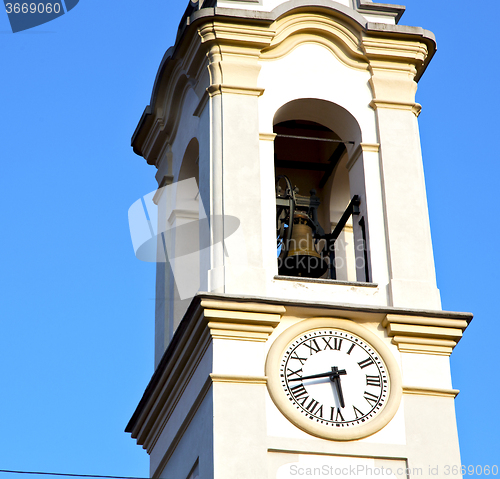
x=314, y=376
x=321, y=375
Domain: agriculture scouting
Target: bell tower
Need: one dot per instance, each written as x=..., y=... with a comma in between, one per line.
x=298, y=321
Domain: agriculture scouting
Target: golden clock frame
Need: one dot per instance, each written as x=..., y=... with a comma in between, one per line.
x=281, y=401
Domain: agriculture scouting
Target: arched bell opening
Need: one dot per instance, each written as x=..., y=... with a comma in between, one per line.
x=317, y=213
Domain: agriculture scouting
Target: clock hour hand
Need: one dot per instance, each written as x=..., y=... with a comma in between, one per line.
x=335, y=378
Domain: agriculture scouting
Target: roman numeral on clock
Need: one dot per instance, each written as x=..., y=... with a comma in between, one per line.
x=337, y=415
x=371, y=399
x=299, y=391
x=313, y=346
x=313, y=405
x=373, y=381
x=356, y=412
x=365, y=363
x=290, y=374
x=337, y=343
x=294, y=355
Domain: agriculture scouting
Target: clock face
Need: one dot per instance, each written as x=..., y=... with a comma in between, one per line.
x=334, y=378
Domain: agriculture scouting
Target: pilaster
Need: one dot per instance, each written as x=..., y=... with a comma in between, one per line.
x=394, y=64
x=233, y=51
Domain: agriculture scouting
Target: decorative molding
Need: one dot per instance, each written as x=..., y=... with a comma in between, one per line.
x=425, y=391
x=205, y=320
x=424, y=345
x=250, y=306
x=232, y=44
x=415, y=108
x=267, y=136
x=230, y=378
x=248, y=318
x=336, y=308
x=361, y=148
x=241, y=325
x=171, y=390
x=425, y=321
x=329, y=30
x=425, y=335
x=370, y=147
x=151, y=145
x=401, y=53
x=214, y=90
x=241, y=35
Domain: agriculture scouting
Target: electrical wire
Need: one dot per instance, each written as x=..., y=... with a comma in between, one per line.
x=70, y=475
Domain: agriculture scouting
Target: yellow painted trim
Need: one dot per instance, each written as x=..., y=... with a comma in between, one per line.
x=242, y=306
x=267, y=136
x=424, y=321
x=415, y=108
x=423, y=391
x=433, y=332
x=441, y=347
x=230, y=378
x=424, y=335
x=242, y=317
x=362, y=148
x=214, y=90
x=370, y=147
x=242, y=332
x=241, y=321
x=325, y=30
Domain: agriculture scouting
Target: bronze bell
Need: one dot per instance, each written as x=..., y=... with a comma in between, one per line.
x=302, y=258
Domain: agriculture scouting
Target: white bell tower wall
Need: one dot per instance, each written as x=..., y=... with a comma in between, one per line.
x=234, y=78
x=242, y=75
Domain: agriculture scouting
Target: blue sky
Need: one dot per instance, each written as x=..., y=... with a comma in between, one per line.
x=77, y=308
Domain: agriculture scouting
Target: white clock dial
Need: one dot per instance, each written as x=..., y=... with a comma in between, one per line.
x=353, y=383
x=333, y=378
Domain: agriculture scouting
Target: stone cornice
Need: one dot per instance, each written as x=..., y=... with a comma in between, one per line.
x=231, y=42
x=205, y=320
x=425, y=335
x=254, y=322
x=213, y=316
x=336, y=308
